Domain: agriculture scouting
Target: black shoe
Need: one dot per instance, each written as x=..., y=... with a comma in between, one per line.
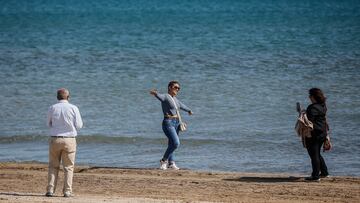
x=49, y=194
x=311, y=178
x=324, y=176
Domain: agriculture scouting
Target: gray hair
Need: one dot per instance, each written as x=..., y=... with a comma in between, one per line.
x=62, y=94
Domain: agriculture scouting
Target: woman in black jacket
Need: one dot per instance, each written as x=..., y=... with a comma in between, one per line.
x=316, y=113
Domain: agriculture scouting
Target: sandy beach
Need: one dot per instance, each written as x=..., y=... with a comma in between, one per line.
x=26, y=182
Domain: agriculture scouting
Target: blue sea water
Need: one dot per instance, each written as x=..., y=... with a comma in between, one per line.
x=242, y=66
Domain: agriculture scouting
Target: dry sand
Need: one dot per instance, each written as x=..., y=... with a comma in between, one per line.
x=26, y=182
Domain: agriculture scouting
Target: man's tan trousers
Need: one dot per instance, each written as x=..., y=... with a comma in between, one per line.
x=61, y=149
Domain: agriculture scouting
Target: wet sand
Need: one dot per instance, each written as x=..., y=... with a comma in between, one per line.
x=26, y=182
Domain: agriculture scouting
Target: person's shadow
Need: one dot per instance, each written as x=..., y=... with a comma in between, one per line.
x=22, y=194
x=257, y=179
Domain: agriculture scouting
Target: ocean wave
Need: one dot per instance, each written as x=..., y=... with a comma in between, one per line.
x=102, y=139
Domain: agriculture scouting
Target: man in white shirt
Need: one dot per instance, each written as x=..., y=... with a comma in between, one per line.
x=64, y=120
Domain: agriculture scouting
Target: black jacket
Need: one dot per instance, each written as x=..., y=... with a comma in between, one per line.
x=316, y=113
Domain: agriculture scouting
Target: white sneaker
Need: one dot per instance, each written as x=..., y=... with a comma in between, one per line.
x=67, y=194
x=173, y=166
x=163, y=165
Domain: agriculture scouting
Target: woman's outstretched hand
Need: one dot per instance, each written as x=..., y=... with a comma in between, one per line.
x=153, y=92
x=191, y=113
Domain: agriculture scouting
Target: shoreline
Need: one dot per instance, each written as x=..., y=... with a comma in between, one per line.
x=26, y=182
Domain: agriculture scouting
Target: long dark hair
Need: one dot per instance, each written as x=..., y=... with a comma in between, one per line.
x=318, y=95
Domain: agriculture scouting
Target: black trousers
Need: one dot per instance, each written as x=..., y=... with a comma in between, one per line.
x=318, y=164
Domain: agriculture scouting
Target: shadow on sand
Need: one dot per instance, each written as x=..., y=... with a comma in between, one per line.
x=266, y=179
x=22, y=194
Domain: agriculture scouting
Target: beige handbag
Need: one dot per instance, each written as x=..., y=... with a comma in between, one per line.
x=303, y=127
x=182, y=124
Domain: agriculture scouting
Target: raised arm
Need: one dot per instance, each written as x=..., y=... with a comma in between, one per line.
x=160, y=97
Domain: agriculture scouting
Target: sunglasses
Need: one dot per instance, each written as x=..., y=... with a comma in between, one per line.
x=176, y=87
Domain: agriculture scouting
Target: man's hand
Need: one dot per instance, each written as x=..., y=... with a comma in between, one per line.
x=191, y=113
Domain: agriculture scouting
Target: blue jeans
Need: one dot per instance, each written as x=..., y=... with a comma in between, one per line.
x=171, y=130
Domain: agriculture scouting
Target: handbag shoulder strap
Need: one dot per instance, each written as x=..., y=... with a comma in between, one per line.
x=173, y=100
x=176, y=107
x=327, y=130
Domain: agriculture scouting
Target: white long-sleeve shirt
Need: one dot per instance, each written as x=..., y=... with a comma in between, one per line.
x=64, y=119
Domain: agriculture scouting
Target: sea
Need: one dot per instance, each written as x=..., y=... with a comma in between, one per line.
x=242, y=66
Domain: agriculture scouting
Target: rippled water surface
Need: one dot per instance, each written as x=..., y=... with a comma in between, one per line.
x=242, y=66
